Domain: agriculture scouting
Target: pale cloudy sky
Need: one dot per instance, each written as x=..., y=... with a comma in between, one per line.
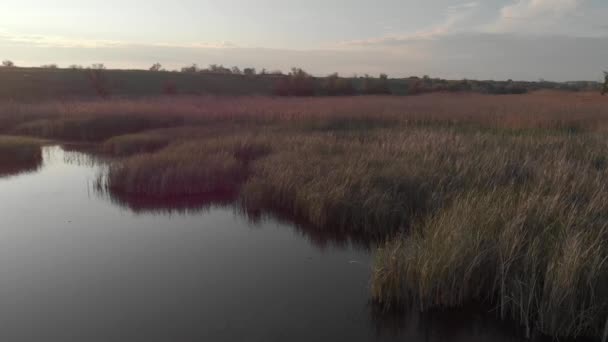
x=489, y=39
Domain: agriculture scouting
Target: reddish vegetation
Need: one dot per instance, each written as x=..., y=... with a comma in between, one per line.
x=552, y=110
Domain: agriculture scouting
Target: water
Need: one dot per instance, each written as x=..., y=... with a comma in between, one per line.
x=78, y=266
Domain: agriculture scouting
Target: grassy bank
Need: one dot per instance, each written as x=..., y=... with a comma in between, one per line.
x=493, y=199
x=19, y=155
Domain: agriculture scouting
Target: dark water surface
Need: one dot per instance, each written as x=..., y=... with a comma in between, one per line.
x=77, y=266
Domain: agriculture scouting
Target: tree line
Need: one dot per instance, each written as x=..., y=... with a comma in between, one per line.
x=298, y=82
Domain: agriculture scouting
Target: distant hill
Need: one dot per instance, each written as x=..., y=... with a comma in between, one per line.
x=33, y=84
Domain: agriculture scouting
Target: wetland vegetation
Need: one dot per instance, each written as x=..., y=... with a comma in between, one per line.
x=468, y=198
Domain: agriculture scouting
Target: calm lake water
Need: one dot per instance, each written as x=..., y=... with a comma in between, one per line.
x=76, y=265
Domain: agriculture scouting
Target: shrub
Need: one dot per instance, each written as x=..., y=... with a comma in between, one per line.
x=156, y=67
x=335, y=85
x=297, y=83
x=191, y=69
x=375, y=86
x=8, y=64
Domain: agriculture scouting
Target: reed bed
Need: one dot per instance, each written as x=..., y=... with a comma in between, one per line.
x=495, y=199
x=541, y=110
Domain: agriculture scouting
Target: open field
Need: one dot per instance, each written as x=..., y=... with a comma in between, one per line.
x=472, y=198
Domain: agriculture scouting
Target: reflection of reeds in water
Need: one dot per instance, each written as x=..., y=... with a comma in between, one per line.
x=19, y=155
x=472, y=323
x=182, y=205
x=321, y=238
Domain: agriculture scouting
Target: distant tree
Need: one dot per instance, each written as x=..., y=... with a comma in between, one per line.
x=605, y=87
x=49, y=66
x=98, y=80
x=156, y=67
x=98, y=66
x=376, y=85
x=264, y=71
x=191, y=68
x=75, y=67
x=297, y=83
x=218, y=69
x=8, y=64
x=249, y=71
x=335, y=85
x=235, y=70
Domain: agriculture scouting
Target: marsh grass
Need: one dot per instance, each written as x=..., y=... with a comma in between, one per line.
x=91, y=128
x=192, y=168
x=497, y=200
x=131, y=144
x=19, y=155
x=536, y=249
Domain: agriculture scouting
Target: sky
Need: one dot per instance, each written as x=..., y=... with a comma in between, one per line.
x=557, y=40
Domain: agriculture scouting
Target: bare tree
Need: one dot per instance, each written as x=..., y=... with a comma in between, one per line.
x=249, y=71
x=192, y=68
x=98, y=66
x=8, y=64
x=156, y=67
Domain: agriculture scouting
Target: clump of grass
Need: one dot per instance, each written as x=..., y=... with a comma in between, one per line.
x=538, y=252
x=19, y=154
x=92, y=128
x=166, y=175
x=334, y=191
x=185, y=169
x=131, y=144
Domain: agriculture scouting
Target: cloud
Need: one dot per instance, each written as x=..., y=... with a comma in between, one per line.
x=528, y=40
x=454, y=56
x=69, y=42
x=534, y=16
x=455, y=16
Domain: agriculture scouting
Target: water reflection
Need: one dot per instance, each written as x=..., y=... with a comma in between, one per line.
x=321, y=237
x=473, y=324
x=187, y=205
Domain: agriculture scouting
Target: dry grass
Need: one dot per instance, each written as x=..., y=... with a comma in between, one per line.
x=498, y=199
x=131, y=144
x=541, y=110
x=191, y=168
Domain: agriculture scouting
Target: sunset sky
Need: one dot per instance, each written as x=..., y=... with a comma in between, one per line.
x=499, y=39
